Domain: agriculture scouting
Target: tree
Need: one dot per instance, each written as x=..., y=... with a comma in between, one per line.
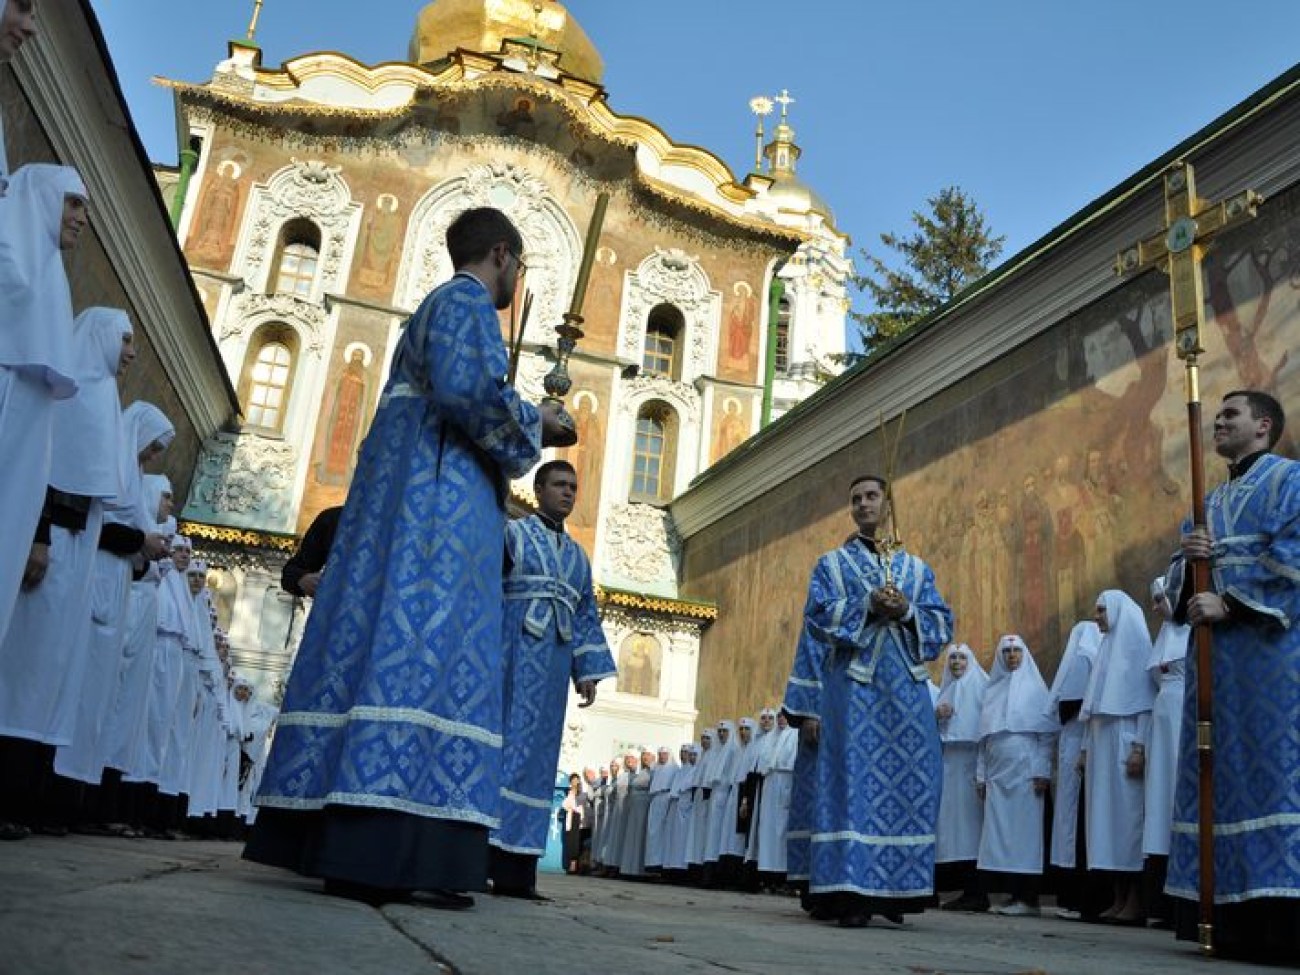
x=952, y=246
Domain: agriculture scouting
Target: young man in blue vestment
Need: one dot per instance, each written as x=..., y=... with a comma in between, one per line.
x=860, y=689
x=1252, y=540
x=552, y=637
x=385, y=774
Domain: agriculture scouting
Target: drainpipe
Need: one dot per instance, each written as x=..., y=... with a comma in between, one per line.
x=774, y=295
x=189, y=161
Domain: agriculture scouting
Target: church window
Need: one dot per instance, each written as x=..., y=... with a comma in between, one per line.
x=268, y=376
x=296, y=259
x=781, y=361
x=663, y=335
x=653, y=453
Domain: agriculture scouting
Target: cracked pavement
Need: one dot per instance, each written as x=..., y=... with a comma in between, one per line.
x=89, y=905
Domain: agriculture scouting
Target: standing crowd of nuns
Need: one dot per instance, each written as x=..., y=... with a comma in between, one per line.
x=1073, y=783
x=118, y=711
x=716, y=817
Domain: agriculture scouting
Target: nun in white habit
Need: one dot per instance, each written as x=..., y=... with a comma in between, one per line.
x=719, y=784
x=697, y=830
x=631, y=861
x=1063, y=704
x=961, y=814
x=127, y=539
x=257, y=720
x=777, y=769
x=42, y=215
x=125, y=731
x=1012, y=773
x=1165, y=665
x=41, y=664
x=679, y=810
x=661, y=783
x=178, y=638
x=732, y=841
x=1117, y=709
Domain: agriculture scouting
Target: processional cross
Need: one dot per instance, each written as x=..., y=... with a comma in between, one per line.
x=1178, y=249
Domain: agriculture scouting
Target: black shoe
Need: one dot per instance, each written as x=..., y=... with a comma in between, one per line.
x=893, y=918
x=13, y=831
x=444, y=900
x=855, y=919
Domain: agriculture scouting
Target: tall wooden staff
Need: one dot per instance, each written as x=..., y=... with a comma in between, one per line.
x=557, y=382
x=1178, y=250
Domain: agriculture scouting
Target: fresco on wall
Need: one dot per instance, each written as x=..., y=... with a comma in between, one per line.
x=1051, y=474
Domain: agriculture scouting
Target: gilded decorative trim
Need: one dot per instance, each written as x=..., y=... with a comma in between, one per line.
x=656, y=604
x=238, y=536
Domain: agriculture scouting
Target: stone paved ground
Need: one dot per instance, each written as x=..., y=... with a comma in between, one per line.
x=106, y=906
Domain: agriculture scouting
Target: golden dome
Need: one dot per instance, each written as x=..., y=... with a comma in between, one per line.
x=481, y=25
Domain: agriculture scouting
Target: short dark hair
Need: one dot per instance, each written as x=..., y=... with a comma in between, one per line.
x=1263, y=405
x=475, y=232
x=544, y=472
x=884, y=485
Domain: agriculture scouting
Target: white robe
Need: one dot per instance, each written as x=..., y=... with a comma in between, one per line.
x=125, y=727
x=631, y=858
x=42, y=665
x=678, y=819
x=83, y=758
x=1162, y=761
x=25, y=425
x=1114, y=814
x=961, y=814
x=657, y=815
x=1012, y=837
x=1065, y=796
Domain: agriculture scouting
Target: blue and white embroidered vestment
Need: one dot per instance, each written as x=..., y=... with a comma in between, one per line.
x=1255, y=523
x=878, y=771
x=552, y=636
x=394, y=701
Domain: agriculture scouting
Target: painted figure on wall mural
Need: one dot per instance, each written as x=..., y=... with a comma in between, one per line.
x=638, y=665
x=217, y=213
x=741, y=321
x=586, y=456
x=346, y=418
x=383, y=229
x=731, y=429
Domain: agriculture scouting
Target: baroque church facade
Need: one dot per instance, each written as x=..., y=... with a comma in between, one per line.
x=312, y=202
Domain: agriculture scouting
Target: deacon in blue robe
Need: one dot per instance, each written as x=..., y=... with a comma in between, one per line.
x=858, y=676
x=385, y=772
x=552, y=637
x=1253, y=544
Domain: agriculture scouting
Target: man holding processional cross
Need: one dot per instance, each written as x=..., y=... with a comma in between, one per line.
x=1236, y=828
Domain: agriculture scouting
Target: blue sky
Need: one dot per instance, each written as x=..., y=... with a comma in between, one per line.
x=1034, y=107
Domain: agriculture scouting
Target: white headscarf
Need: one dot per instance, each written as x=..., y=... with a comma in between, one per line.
x=142, y=424
x=743, y=761
x=707, y=758
x=1015, y=700
x=1120, y=684
x=664, y=772
x=88, y=426
x=1075, y=668
x=35, y=300
x=175, y=604
x=1171, y=641
x=719, y=773
x=965, y=694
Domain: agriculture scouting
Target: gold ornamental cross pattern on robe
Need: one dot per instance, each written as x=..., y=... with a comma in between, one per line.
x=1190, y=224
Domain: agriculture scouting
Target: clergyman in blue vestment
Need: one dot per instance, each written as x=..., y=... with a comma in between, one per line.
x=552, y=638
x=860, y=686
x=385, y=775
x=1252, y=540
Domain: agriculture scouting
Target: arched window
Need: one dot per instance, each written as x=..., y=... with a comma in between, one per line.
x=654, y=450
x=268, y=376
x=296, y=259
x=663, y=338
x=781, y=361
